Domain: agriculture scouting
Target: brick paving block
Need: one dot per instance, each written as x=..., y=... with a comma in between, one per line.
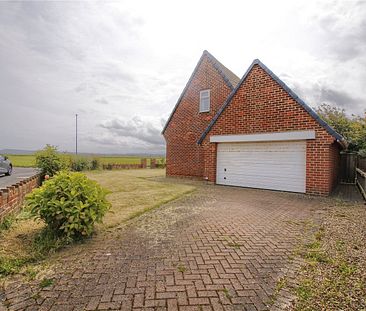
x=109, y=305
x=172, y=304
x=155, y=303
x=199, y=301
x=93, y=303
x=207, y=293
x=195, y=232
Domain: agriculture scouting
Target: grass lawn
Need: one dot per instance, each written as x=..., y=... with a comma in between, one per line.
x=28, y=160
x=133, y=192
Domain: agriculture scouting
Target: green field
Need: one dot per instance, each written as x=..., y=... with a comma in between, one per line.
x=28, y=160
x=23, y=160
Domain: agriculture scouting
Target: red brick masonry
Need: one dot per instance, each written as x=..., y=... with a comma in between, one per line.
x=12, y=197
x=183, y=156
x=259, y=104
x=143, y=164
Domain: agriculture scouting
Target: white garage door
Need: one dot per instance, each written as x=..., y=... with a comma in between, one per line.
x=266, y=165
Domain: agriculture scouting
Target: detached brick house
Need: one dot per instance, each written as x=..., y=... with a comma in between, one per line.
x=249, y=132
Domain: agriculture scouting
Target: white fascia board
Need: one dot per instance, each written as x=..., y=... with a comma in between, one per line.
x=278, y=136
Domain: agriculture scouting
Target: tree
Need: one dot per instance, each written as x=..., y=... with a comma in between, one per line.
x=50, y=161
x=352, y=128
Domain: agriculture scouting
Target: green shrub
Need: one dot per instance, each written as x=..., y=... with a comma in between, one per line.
x=70, y=204
x=79, y=164
x=161, y=163
x=50, y=161
x=95, y=164
x=362, y=153
x=6, y=222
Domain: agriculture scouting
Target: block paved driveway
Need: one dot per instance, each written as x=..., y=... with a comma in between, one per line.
x=221, y=248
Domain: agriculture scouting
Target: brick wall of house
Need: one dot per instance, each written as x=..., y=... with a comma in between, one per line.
x=262, y=106
x=183, y=156
x=335, y=162
x=12, y=197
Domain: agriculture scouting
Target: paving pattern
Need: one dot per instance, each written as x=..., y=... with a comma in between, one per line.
x=220, y=249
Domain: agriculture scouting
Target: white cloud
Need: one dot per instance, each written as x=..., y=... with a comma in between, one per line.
x=113, y=61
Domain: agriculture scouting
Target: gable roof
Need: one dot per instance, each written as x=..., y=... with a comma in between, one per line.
x=228, y=76
x=317, y=118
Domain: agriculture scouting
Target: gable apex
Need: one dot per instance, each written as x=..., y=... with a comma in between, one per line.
x=292, y=94
x=230, y=79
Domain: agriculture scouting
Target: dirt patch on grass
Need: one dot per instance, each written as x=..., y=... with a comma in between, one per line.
x=334, y=277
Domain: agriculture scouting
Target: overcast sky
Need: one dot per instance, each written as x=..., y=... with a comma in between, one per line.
x=121, y=65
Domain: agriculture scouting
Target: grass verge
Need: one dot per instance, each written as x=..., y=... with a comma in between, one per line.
x=334, y=276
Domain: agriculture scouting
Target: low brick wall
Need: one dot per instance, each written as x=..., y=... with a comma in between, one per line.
x=154, y=163
x=112, y=166
x=121, y=166
x=12, y=197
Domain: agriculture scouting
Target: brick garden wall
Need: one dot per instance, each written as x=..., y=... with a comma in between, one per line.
x=12, y=197
x=262, y=106
x=183, y=156
x=122, y=166
x=153, y=164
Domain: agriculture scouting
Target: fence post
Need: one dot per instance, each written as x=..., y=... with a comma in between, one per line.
x=143, y=163
x=153, y=163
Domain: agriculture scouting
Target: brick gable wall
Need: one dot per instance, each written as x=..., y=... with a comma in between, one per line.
x=261, y=106
x=183, y=156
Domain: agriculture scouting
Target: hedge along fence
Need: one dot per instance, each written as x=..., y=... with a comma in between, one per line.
x=12, y=197
x=143, y=164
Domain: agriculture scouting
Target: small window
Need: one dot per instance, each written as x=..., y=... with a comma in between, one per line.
x=205, y=101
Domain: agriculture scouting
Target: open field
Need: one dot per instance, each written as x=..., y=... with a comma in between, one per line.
x=133, y=192
x=28, y=160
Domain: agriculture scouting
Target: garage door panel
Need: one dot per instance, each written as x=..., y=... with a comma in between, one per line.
x=268, y=165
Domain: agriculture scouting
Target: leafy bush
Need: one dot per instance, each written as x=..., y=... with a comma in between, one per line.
x=70, y=204
x=50, y=161
x=362, y=153
x=351, y=127
x=80, y=164
x=95, y=164
x=161, y=163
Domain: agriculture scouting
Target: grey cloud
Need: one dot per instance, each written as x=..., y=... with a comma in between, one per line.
x=344, y=38
x=112, y=71
x=102, y=101
x=318, y=93
x=338, y=97
x=114, y=145
x=135, y=128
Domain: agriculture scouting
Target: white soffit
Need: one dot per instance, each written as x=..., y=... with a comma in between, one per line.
x=278, y=136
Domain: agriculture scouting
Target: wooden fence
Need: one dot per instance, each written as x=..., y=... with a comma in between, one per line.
x=361, y=175
x=353, y=171
x=348, y=168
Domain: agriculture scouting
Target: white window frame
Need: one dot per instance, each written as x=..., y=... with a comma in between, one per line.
x=202, y=96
